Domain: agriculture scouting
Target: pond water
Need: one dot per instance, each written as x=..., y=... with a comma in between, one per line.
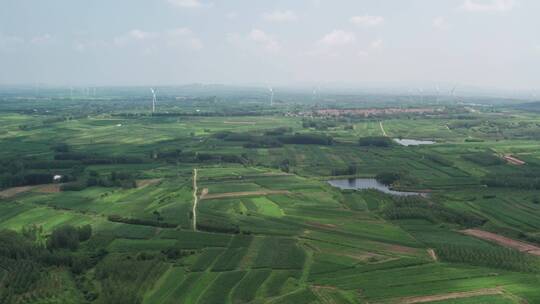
x=413, y=142
x=367, y=183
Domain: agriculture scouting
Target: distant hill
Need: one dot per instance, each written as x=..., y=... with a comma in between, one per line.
x=530, y=106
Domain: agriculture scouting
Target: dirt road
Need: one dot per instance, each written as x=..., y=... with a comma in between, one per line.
x=450, y=296
x=382, y=129
x=195, y=200
x=503, y=241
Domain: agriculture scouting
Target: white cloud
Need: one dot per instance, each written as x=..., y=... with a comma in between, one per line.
x=134, y=35
x=10, y=43
x=338, y=38
x=184, y=37
x=83, y=45
x=376, y=44
x=367, y=20
x=232, y=15
x=362, y=53
x=42, y=39
x=178, y=37
x=441, y=23
x=280, y=16
x=267, y=41
x=189, y=3
x=488, y=5
x=185, y=3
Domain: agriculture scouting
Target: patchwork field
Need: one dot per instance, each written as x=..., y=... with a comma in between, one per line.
x=268, y=228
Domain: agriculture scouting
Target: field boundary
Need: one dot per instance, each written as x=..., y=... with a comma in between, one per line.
x=206, y=196
x=503, y=241
x=450, y=296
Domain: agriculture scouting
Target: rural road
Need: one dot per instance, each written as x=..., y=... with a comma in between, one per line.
x=382, y=129
x=195, y=200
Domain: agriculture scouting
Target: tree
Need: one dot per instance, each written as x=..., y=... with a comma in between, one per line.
x=85, y=232
x=65, y=237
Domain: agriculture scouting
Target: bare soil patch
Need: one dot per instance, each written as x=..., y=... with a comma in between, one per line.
x=513, y=160
x=321, y=225
x=432, y=254
x=450, y=296
x=50, y=188
x=204, y=193
x=503, y=241
x=11, y=192
x=147, y=182
x=47, y=188
x=240, y=194
x=401, y=249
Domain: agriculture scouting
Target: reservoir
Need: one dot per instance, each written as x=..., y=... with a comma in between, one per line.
x=367, y=183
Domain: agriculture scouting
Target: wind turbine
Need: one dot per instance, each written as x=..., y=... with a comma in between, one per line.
x=153, y=100
x=453, y=93
x=421, y=91
x=271, y=96
x=438, y=89
x=316, y=92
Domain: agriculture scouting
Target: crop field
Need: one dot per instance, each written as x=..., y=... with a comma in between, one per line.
x=120, y=225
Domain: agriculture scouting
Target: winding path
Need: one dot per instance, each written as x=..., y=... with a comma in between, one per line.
x=195, y=200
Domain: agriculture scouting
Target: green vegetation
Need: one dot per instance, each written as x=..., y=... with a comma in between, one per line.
x=116, y=224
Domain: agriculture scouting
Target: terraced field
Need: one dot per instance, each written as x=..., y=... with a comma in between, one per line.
x=269, y=228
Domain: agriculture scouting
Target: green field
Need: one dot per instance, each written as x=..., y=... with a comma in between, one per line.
x=269, y=228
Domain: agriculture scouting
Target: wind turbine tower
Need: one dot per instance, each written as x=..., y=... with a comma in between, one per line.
x=453, y=93
x=153, y=100
x=271, y=96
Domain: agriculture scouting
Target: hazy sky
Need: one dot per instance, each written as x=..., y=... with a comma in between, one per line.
x=492, y=43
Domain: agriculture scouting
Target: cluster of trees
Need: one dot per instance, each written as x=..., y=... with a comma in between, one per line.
x=93, y=159
x=439, y=160
x=493, y=257
x=25, y=261
x=307, y=139
x=318, y=124
x=69, y=237
x=465, y=123
x=485, y=158
x=388, y=178
x=94, y=178
x=375, y=141
x=276, y=138
x=263, y=143
x=278, y=131
x=217, y=226
x=215, y=157
x=418, y=208
x=525, y=179
x=24, y=172
x=350, y=170
x=134, y=221
x=123, y=277
x=25, y=179
x=177, y=155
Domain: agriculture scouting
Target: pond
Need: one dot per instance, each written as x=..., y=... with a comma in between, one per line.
x=413, y=142
x=367, y=183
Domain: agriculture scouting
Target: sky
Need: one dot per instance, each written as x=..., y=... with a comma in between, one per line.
x=485, y=43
